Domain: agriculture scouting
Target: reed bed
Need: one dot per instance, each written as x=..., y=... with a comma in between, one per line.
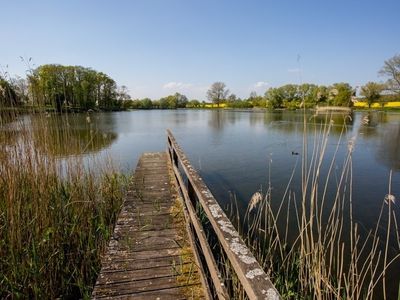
x=309, y=242
x=56, y=215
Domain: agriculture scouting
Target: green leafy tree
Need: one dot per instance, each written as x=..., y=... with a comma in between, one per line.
x=274, y=97
x=181, y=100
x=217, y=93
x=391, y=69
x=308, y=94
x=372, y=92
x=193, y=103
x=340, y=94
x=255, y=100
x=146, y=103
x=322, y=94
x=173, y=101
x=72, y=86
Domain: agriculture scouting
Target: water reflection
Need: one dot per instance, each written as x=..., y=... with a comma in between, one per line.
x=382, y=131
x=66, y=135
x=389, y=146
x=8, y=136
x=217, y=119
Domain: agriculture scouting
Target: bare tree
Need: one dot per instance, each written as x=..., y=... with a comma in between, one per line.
x=391, y=69
x=123, y=93
x=217, y=92
x=253, y=95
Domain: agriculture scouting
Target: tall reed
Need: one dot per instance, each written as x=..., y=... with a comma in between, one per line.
x=309, y=242
x=56, y=216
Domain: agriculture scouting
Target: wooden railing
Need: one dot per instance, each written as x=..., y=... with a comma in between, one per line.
x=194, y=192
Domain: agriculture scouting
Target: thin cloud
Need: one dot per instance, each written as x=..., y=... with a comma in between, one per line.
x=260, y=84
x=176, y=85
x=295, y=70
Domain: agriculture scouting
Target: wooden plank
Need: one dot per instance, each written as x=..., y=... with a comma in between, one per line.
x=138, y=286
x=145, y=256
x=154, y=275
x=167, y=294
x=138, y=264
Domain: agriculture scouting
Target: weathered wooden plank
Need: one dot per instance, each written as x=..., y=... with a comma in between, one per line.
x=167, y=294
x=137, y=264
x=132, y=287
x=145, y=256
x=153, y=274
x=145, y=265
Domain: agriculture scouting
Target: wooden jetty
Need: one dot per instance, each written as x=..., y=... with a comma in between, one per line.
x=160, y=247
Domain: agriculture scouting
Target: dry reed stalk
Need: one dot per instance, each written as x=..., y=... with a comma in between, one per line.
x=55, y=216
x=330, y=257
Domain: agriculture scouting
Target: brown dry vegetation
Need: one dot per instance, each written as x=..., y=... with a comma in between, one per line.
x=55, y=216
x=325, y=255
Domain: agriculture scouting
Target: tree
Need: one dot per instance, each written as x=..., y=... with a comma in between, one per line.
x=193, y=103
x=274, y=97
x=73, y=86
x=146, y=103
x=173, y=101
x=232, y=98
x=372, y=92
x=255, y=100
x=20, y=86
x=308, y=94
x=285, y=96
x=322, y=94
x=8, y=96
x=123, y=93
x=181, y=100
x=391, y=69
x=217, y=92
x=340, y=94
x=253, y=95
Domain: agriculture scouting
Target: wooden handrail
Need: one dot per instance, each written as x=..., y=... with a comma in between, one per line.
x=251, y=275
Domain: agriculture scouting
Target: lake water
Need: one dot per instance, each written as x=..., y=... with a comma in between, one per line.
x=235, y=150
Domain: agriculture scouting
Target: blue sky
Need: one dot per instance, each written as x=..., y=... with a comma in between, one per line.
x=158, y=47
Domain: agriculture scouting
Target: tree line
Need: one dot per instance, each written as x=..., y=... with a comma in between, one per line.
x=79, y=88
x=292, y=96
x=62, y=88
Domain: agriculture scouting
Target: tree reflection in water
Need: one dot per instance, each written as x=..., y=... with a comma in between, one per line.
x=63, y=136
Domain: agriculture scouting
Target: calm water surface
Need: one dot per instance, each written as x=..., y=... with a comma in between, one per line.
x=235, y=150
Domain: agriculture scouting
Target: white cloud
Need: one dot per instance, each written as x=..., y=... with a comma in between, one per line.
x=260, y=84
x=177, y=85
